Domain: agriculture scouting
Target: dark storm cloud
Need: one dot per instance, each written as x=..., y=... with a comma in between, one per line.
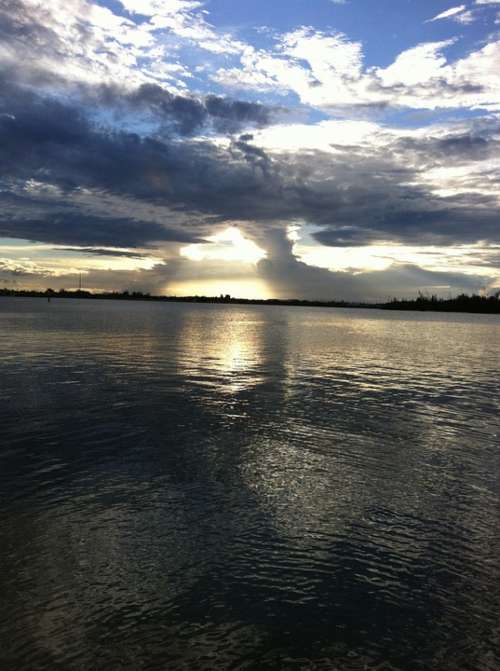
x=96, y=251
x=75, y=228
x=233, y=114
x=55, y=142
x=432, y=227
x=186, y=114
x=355, y=196
x=465, y=145
x=480, y=142
x=255, y=156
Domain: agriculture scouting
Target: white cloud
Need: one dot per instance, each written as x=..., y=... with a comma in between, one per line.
x=459, y=258
x=465, y=17
x=449, y=13
x=415, y=66
x=327, y=71
x=83, y=42
x=186, y=20
x=86, y=43
x=487, y=2
x=324, y=69
x=458, y=14
x=262, y=70
x=334, y=64
x=328, y=55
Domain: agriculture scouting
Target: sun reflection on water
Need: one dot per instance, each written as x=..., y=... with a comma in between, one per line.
x=226, y=354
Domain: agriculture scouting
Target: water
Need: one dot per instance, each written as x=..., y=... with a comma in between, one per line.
x=226, y=487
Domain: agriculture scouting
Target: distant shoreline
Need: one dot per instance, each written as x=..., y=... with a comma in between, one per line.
x=463, y=303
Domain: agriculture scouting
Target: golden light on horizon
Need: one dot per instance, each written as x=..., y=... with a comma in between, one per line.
x=253, y=288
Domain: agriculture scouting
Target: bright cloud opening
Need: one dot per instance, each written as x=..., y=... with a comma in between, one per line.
x=229, y=245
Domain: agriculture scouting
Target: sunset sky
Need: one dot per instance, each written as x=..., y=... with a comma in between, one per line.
x=330, y=149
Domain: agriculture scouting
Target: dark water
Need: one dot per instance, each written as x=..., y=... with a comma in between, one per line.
x=223, y=487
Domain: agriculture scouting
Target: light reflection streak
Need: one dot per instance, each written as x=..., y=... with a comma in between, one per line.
x=226, y=354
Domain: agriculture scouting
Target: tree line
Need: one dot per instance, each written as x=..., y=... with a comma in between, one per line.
x=462, y=303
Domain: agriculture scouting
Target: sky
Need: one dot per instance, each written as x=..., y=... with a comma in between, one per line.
x=318, y=149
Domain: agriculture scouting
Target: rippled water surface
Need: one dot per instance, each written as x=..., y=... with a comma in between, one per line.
x=227, y=487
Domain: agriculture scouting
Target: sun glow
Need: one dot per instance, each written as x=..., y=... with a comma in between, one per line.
x=228, y=245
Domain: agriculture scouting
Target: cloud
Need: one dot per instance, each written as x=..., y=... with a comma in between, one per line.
x=458, y=14
x=291, y=278
x=466, y=17
x=186, y=114
x=185, y=19
x=96, y=251
x=70, y=181
x=76, y=228
x=449, y=13
x=420, y=65
x=326, y=71
x=107, y=153
x=333, y=63
x=287, y=275
x=79, y=41
x=135, y=167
